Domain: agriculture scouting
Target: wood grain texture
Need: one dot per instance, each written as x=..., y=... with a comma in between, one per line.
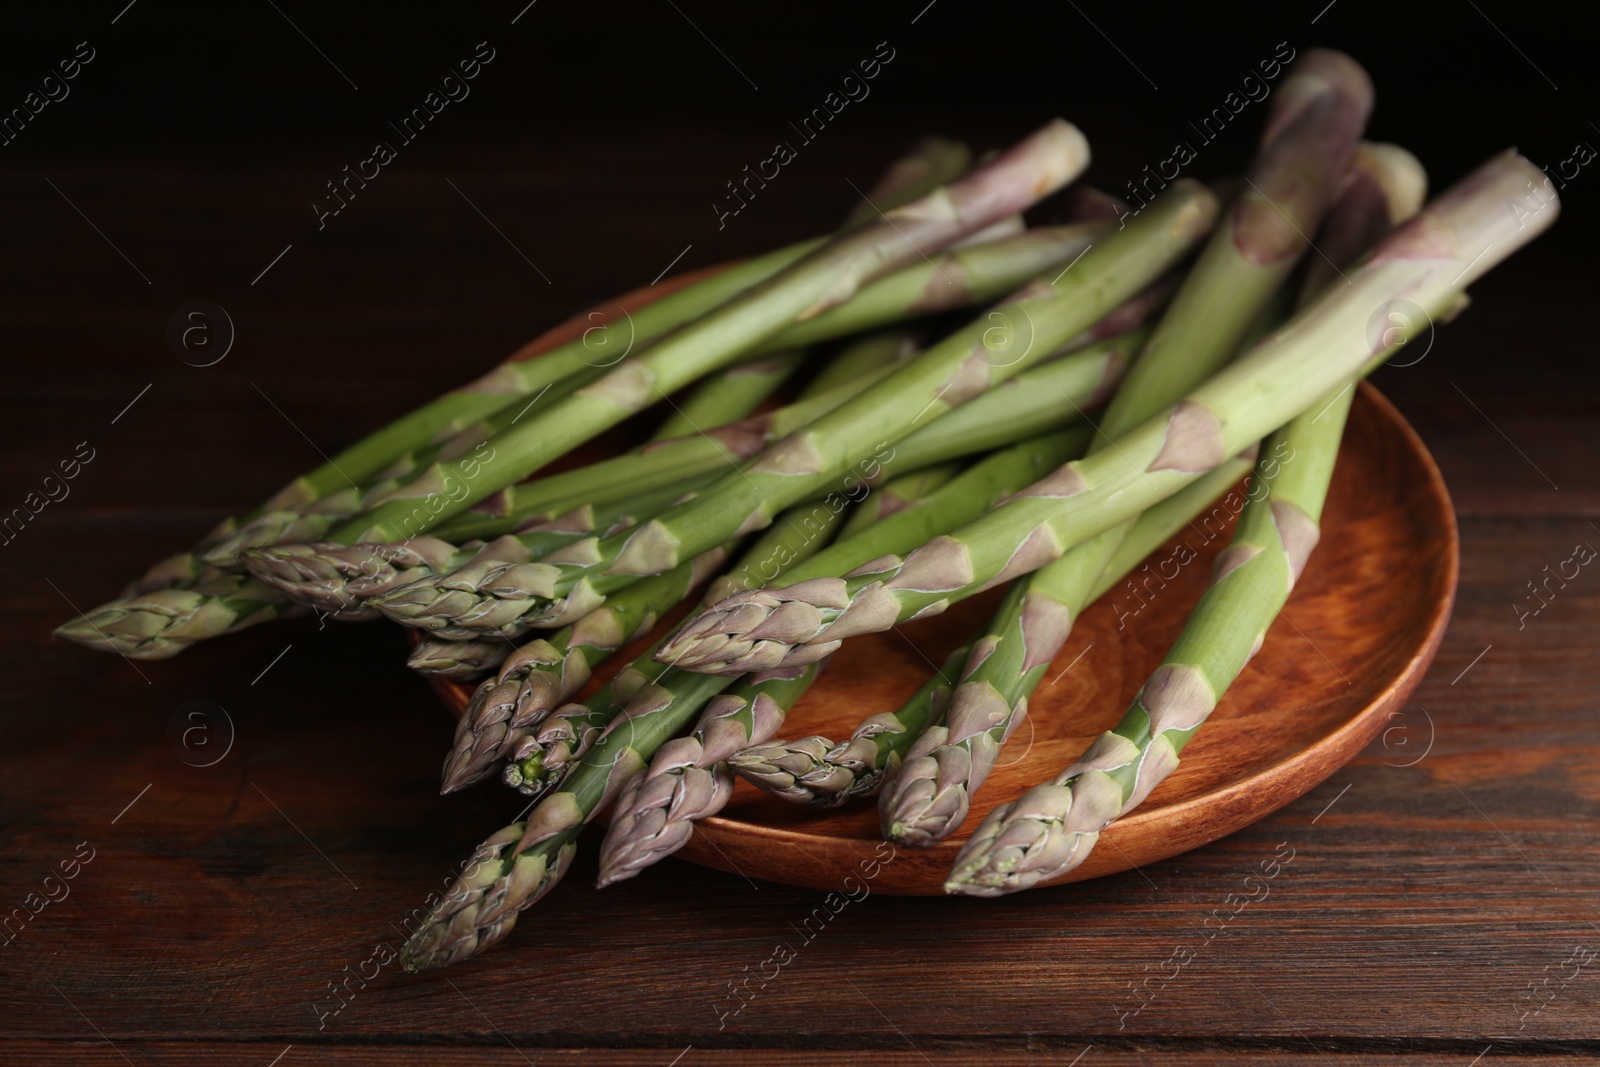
x=1419, y=905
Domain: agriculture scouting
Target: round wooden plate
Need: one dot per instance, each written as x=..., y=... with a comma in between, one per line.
x=1354, y=640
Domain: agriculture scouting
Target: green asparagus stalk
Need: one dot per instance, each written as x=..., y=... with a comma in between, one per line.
x=460, y=661
x=810, y=288
x=528, y=688
x=688, y=780
x=138, y=627
x=729, y=396
x=338, y=578
x=520, y=376
x=1458, y=238
x=932, y=162
x=519, y=864
x=540, y=757
x=965, y=275
x=861, y=357
x=655, y=812
x=312, y=519
x=897, y=494
x=543, y=673
x=1247, y=259
x=502, y=598
x=1054, y=826
x=1385, y=186
x=1231, y=287
x=814, y=770
x=645, y=469
x=824, y=279
x=1035, y=401
x=1029, y=404
x=617, y=492
x=996, y=347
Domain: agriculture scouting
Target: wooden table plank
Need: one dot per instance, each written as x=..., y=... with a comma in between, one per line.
x=1434, y=879
x=1433, y=892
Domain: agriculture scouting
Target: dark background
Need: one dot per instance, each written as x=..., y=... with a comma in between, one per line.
x=596, y=141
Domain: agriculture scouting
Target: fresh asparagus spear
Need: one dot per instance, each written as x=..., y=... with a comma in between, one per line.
x=824, y=279
x=1027, y=405
x=460, y=661
x=814, y=770
x=541, y=756
x=688, y=779
x=139, y=628
x=312, y=519
x=548, y=670
x=897, y=494
x=861, y=357
x=1459, y=237
x=1053, y=827
x=543, y=673
x=729, y=396
x=519, y=864
x=517, y=377
x=655, y=812
x=502, y=597
x=1245, y=263
x=338, y=579
x=997, y=346
x=617, y=493
x=932, y=162
x=809, y=289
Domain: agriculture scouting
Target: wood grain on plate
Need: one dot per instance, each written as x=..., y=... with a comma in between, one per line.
x=1354, y=640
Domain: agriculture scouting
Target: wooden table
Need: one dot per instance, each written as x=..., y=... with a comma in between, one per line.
x=1438, y=881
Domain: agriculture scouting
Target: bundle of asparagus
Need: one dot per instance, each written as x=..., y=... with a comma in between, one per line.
x=1049, y=445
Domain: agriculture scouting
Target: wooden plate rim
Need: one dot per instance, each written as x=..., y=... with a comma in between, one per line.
x=1332, y=751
